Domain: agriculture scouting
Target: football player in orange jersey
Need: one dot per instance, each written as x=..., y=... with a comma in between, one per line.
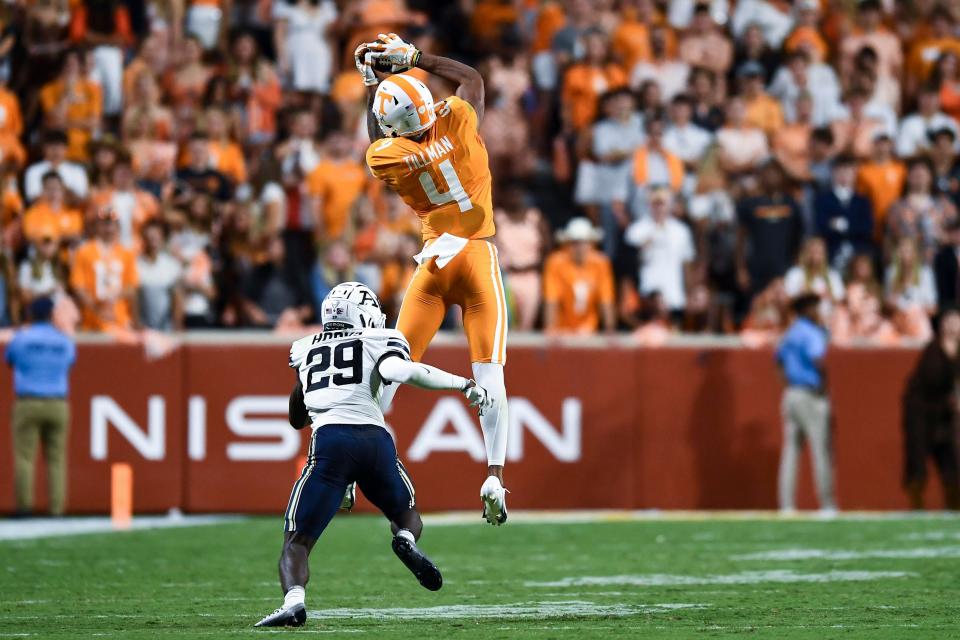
x=432, y=156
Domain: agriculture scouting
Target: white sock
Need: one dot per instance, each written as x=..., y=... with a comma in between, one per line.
x=494, y=420
x=406, y=535
x=296, y=595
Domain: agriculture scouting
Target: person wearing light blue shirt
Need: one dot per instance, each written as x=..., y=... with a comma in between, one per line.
x=41, y=357
x=805, y=405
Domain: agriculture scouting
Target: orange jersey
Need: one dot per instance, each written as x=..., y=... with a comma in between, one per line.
x=577, y=290
x=41, y=221
x=105, y=274
x=338, y=184
x=444, y=177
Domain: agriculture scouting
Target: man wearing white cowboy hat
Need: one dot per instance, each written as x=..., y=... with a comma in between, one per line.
x=578, y=288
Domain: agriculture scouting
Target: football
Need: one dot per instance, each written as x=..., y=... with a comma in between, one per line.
x=385, y=67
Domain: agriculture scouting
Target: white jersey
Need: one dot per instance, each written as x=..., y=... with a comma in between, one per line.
x=339, y=374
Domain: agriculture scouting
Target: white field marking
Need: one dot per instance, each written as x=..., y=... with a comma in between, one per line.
x=33, y=528
x=744, y=577
x=932, y=535
x=500, y=611
x=457, y=518
x=846, y=554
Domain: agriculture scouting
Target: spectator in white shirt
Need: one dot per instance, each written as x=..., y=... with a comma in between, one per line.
x=680, y=12
x=682, y=138
x=603, y=181
x=73, y=175
x=913, y=137
x=797, y=77
x=666, y=251
x=774, y=23
x=812, y=274
x=741, y=147
x=160, y=290
x=670, y=74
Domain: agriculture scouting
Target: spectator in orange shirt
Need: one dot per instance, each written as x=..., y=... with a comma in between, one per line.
x=630, y=41
x=50, y=212
x=791, y=143
x=578, y=289
x=73, y=102
x=336, y=183
x=586, y=81
x=226, y=156
x=763, y=111
x=926, y=51
x=132, y=205
x=103, y=276
x=881, y=180
x=806, y=34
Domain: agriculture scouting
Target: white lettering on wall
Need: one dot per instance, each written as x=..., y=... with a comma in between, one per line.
x=466, y=436
x=564, y=445
x=285, y=441
x=150, y=444
x=197, y=428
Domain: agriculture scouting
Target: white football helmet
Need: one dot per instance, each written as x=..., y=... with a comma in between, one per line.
x=403, y=106
x=351, y=305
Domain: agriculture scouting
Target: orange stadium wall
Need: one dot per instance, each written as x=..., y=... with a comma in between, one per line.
x=671, y=428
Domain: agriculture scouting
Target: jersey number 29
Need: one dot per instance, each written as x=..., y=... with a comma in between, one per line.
x=346, y=355
x=456, y=192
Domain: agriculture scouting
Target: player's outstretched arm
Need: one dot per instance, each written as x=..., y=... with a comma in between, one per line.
x=468, y=80
x=371, y=79
x=397, y=369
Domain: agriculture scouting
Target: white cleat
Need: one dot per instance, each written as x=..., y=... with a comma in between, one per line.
x=293, y=616
x=494, y=498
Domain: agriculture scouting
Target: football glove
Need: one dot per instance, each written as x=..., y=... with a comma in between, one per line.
x=394, y=51
x=362, y=57
x=477, y=396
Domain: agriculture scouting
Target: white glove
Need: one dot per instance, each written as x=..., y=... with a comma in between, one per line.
x=477, y=396
x=362, y=57
x=393, y=50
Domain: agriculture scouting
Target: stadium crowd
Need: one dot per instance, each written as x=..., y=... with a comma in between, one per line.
x=659, y=166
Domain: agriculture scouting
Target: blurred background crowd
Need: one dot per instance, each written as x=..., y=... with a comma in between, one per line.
x=658, y=166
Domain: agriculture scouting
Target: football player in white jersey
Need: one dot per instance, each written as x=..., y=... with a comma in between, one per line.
x=341, y=374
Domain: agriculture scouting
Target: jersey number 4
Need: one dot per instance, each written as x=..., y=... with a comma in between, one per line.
x=346, y=355
x=456, y=192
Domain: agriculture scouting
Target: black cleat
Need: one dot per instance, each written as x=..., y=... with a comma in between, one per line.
x=295, y=616
x=420, y=565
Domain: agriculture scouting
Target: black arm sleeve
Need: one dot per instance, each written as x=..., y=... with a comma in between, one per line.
x=297, y=410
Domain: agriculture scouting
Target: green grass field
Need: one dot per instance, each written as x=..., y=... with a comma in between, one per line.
x=892, y=578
